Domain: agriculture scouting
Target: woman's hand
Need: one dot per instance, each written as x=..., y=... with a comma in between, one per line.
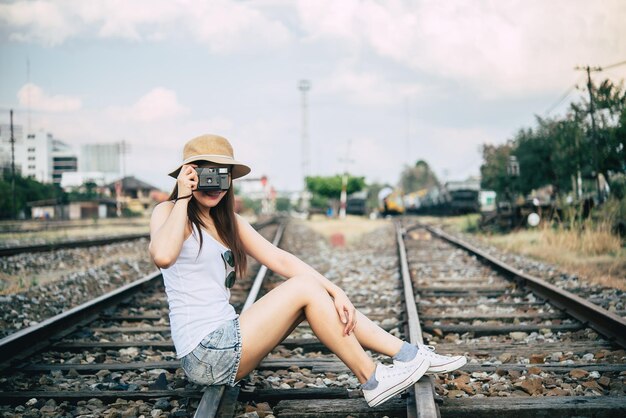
x=187, y=180
x=346, y=311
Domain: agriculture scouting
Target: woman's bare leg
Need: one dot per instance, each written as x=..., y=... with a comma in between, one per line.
x=266, y=323
x=373, y=337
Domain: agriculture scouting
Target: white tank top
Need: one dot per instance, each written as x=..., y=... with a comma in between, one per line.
x=197, y=296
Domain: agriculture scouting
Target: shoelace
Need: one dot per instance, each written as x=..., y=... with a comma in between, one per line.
x=431, y=351
x=392, y=371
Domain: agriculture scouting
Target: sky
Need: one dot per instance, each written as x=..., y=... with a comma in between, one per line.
x=392, y=81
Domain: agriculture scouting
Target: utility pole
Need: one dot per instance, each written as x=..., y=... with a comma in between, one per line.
x=304, y=86
x=123, y=147
x=13, y=206
x=407, y=116
x=344, y=184
x=28, y=92
x=594, y=140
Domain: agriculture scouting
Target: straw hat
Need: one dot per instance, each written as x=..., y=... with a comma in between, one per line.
x=212, y=148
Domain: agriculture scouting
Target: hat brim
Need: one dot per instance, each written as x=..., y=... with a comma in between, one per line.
x=238, y=169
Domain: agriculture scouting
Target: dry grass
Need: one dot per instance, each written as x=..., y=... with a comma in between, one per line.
x=590, y=241
x=592, y=253
x=352, y=227
x=460, y=223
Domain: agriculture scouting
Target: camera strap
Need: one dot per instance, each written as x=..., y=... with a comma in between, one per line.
x=183, y=197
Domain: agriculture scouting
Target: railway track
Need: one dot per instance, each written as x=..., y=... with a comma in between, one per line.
x=300, y=377
x=79, y=243
x=123, y=363
x=533, y=349
x=113, y=351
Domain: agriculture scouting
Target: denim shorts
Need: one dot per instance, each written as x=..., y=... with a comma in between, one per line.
x=215, y=360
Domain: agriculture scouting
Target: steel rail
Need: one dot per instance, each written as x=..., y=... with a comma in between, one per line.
x=605, y=322
x=213, y=395
x=7, y=251
x=51, y=246
x=28, y=341
x=423, y=390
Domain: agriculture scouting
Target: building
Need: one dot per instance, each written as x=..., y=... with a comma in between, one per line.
x=133, y=194
x=97, y=163
x=104, y=158
x=43, y=157
x=83, y=209
x=63, y=160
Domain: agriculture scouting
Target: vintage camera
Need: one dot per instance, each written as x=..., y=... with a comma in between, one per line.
x=213, y=178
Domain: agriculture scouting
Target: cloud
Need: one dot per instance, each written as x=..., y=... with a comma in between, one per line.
x=38, y=21
x=223, y=25
x=367, y=87
x=496, y=47
x=33, y=97
x=158, y=104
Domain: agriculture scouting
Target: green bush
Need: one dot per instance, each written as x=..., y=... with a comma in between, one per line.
x=283, y=204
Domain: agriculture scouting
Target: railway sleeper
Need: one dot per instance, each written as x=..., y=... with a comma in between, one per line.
x=494, y=316
x=339, y=408
x=535, y=407
x=481, y=330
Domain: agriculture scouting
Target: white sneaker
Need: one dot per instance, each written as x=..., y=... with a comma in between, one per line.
x=438, y=362
x=394, y=379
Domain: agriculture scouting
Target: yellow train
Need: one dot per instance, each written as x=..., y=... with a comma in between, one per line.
x=390, y=201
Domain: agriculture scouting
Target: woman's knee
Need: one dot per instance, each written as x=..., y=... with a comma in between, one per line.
x=306, y=285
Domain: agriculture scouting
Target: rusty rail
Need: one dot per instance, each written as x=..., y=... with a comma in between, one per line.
x=606, y=323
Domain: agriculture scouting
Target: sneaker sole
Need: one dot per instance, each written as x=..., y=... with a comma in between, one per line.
x=446, y=368
x=394, y=390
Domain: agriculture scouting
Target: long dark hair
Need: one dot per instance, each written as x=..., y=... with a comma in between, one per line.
x=223, y=216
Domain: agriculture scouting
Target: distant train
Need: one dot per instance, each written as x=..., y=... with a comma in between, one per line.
x=454, y=198
x=356, y=203
x=390, y=201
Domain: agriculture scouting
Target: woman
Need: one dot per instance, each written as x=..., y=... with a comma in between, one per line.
x=200, y=244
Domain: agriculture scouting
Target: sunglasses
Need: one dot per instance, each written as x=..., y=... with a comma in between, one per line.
x=229, y=264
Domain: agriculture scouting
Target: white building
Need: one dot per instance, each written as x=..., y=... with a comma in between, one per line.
x=104, y=158
x=98, y=163
x=45, y=158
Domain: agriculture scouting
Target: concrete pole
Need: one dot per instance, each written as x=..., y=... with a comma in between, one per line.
x=304, y=86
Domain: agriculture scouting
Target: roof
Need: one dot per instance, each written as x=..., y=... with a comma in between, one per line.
x=132, y=183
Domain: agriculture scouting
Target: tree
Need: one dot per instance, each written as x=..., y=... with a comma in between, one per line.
x=493, y=172
x=88, y=191
x=534, y=151
x=26, y=190
x=325, y=188
x=554, y=151
x=606, y=147
x=418, y=177
x=330, y=187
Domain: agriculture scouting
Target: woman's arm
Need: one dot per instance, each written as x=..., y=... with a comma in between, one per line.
x=288, y=265
x=167, y=232
x=169, y=220
x=276, y=259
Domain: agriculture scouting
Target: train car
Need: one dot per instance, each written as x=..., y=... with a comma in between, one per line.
x=356, y=204
x=390, y=201
x=413, y=201
x=462, y=197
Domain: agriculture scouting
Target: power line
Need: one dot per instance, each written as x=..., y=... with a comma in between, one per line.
x=617, y=64
x=564, y=96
